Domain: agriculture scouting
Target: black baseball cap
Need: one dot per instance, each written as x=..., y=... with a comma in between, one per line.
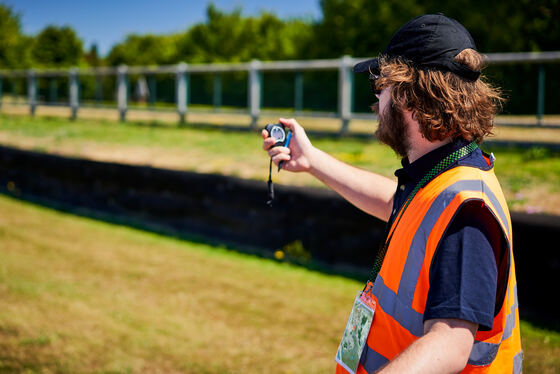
x=429, y=41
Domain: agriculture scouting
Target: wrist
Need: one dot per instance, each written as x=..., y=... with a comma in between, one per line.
x=314, y=156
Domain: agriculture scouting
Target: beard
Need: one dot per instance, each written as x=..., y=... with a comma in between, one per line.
x=392, y=129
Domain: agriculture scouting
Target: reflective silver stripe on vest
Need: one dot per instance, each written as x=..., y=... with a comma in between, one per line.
x=399, y=305
x=510, y=321
x=398, y=308
x=371, y=360
x=483, y=353
x=417, y=251
x=518, y=363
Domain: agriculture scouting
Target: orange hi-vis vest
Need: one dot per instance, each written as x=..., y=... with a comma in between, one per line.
x=401, y=287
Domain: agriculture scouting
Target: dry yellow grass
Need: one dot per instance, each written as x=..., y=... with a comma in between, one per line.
x=80, y=296
x=83, y=296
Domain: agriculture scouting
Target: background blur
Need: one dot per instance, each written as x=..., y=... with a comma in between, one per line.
x=145, y=246
x=104, y=33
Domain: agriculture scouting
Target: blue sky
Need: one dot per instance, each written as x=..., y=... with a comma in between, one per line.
x=107, y=22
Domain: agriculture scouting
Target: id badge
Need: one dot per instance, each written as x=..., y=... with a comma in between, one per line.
x=356, y=332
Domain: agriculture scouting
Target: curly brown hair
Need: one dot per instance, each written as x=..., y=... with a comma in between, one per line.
x=444, y=104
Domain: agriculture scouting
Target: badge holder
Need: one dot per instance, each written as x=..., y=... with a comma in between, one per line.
x=356, y=332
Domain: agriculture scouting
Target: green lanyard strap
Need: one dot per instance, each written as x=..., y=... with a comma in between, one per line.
x=436, y=170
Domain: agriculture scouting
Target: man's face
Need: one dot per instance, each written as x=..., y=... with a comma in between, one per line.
x=392, y=129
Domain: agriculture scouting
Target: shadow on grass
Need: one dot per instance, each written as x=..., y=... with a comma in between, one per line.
x=346, y=271
x=536, y=316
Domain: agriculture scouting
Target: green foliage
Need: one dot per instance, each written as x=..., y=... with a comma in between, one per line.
x=537, y=153
x=57, y=46
x=92, y=57
x=14, y=50
x=295, y=252
x=232, y=37
x=359, y=27
x=144, y=50
x=508, y=26
x=353, y=27
x=363, y=28
x=223, y=37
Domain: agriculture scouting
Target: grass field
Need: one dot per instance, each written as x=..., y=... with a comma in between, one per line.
x=82, y=296
x=530, y=178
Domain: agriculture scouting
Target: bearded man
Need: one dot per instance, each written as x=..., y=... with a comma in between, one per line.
x=442, y=294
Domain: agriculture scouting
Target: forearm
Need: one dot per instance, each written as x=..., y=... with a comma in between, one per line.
x=445, y=348
x=370, y=192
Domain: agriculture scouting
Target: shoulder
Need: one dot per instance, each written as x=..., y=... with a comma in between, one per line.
x=469, y=268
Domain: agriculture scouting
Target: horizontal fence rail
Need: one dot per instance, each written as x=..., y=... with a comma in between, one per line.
x=254, y=69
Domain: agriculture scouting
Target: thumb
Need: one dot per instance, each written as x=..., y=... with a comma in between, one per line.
x=291, y=124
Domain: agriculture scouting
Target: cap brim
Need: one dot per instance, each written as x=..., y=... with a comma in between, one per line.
x=367, y=66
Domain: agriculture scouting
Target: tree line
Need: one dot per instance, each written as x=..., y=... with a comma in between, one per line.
x=359, y=28
x=352, y=27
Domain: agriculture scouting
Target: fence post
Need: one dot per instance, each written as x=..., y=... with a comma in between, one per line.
x=74, y=99
x=122, y=91
x=217, y=91
x=15, y=88
x=541, y=94
x=345, y=92
x=298, y=92
x=53, y=97
x=98, y=89
x=152, y=89
x=182, y=84
x=255, y=89
x=32, y=91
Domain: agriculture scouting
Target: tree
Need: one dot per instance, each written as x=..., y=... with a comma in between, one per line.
x=144, y=50
x=233, y=37
x=14, y=50
x=364, y=27
x=92, y=57
x=359, y=27
x=57, y=47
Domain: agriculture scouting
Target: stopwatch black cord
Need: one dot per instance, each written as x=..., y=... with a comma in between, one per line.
x=270, y=186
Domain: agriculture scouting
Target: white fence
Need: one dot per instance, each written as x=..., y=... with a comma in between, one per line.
x=254, y=70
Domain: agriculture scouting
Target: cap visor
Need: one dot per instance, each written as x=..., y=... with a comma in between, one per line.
x=367, y=66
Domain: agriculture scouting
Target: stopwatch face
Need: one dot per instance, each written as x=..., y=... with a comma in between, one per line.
x=278, y=134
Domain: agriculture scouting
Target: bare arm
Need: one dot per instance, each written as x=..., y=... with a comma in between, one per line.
x=370, y=192
x=444, y=348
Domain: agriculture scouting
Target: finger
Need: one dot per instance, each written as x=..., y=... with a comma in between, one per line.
x=290, y=123
x=278, y=150
x=267, y=143
x=264, y=134
x=281, y=157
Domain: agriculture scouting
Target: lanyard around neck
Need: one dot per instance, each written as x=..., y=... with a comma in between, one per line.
x=436, y=170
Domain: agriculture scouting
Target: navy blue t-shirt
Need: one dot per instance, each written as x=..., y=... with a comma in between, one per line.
x=469, y=270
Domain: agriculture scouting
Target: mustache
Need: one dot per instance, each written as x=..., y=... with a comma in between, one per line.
x=375, y=108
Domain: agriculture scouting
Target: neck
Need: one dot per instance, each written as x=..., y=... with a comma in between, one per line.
x=418, y=144
x=418, y=150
